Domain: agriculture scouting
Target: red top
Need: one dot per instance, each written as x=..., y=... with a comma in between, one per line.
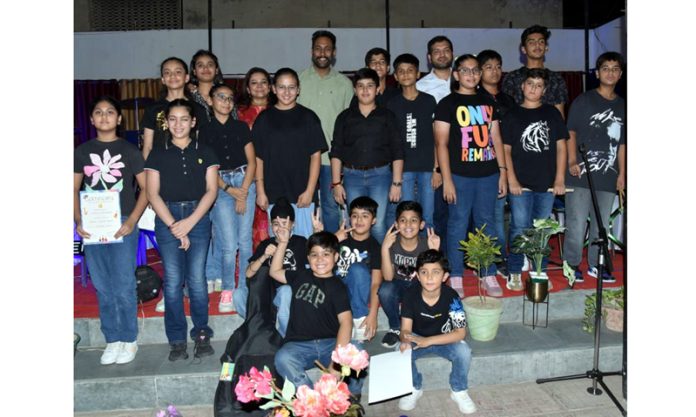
x=249, y=114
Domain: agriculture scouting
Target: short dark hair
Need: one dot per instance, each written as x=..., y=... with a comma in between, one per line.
x=324, y=240
x=324, y=34
x=286, y=71
x=365, y=203
x=488, y=54
x=610, y=56
x=432, y=256
x=439, y=38
x=216, y=87
x=282, y=209
x=542, y=73
x=545, y=32
x=406, y=59
x=377, y=51
x=365, y=73
x=409, y=206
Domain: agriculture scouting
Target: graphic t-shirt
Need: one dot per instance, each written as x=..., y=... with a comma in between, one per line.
x=404, y=261
x=415, y=122
x=533, y=133
x=315, y=306
x=353, y=251
x=599, y=125
x=445, y=316
x=470, y=144
x=110, y=166
x=154, y=119
x=295, y=254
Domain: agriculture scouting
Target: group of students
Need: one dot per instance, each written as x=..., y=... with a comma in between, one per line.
x=208, y=165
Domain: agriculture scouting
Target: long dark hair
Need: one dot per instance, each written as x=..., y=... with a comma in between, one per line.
x=163, y=90
x=202, y=52
x=244, y=96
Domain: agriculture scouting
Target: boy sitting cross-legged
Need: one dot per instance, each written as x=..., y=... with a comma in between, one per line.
x=320, y=316
x=433, y=322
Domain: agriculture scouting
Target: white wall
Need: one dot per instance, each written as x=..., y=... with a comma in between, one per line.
x=127, y=55
x=608, y=37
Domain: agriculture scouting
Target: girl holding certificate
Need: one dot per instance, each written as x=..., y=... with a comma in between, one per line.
x=109, y=163
x=182, y=186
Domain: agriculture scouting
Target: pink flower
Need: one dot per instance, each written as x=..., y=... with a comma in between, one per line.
x=350, y=356
x=309, y=403
x=245, y=389
x=106, y=169
x=262, y=380
x=335, y=393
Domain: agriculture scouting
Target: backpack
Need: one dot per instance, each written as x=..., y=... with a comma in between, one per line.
x=148, y=283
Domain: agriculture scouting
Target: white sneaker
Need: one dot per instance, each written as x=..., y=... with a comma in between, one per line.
x=465, y=403
x=160, y=306
x=111, y=353
x=211, y=287
x=359, y=332
x=409, y=402
x=525, y=265
x=514, y=282
x=127, y=354
x=218, y=285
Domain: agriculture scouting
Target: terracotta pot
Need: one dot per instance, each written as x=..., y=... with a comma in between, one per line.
x=613, y=318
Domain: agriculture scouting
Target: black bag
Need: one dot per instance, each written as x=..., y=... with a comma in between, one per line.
x=148, y=283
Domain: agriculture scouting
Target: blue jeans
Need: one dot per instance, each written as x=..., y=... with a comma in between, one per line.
x=358, y=281
x=578, y=206
x=282, y=300
x=416, y=186
x=294, y=358
x=458, y=353
x=524, y=209
x=112, y=268
x=475, y=195
x=390, y=294
x=303, y=220
x=181, y=267
x=499, y=229
x=329, y=208
x=374, y=183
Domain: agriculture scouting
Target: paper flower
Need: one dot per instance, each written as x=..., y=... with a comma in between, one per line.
x=309, y=403
x=350, y=357
x=105, y=169
x=245, y=389
x=262, y=381
x=335, y=393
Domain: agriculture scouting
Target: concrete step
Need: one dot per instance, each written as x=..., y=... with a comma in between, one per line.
x=518, y=354
x=567, y=304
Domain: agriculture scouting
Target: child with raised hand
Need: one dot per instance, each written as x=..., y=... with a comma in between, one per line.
x=232, y=214
x=433, y=322
x=110, y=163
x=400, y=249
x=320, y=314
x=182, y=186
x=294, y=259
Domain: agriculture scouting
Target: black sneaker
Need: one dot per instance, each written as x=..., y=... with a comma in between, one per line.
x=607, y=278
x=177, y=352
x=391, y=338
x=202, y=346
x=578, y=274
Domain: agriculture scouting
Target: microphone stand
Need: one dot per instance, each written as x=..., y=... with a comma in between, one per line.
x=595, y=374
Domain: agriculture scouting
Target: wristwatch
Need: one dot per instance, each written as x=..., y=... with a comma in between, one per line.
x=225, y=187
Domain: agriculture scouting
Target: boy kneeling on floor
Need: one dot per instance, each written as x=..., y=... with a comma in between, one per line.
x=433, y=323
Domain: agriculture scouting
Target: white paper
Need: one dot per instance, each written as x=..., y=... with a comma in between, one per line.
x=390, y=376
x=101, y=216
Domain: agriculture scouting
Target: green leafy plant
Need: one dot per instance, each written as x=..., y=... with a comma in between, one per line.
x=480, y=252
x=611, y=298
x=534, y=242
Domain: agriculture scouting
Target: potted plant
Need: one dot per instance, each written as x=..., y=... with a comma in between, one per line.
x=482, y=312
x=612, y=310
x=534, y=243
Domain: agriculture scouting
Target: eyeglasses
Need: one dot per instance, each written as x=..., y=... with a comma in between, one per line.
x=469, y=71
x=223, y=97
x=614, y=70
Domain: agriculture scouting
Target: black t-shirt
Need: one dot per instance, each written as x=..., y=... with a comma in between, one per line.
x=153, y=118
x=504, y=101
x=404, y=261
x=110, y=166
x=182, y=171
x=533, y=133
x=227, y=140
x=381, y=99
x=470, y=146
x=353, y=251
x=315, y=306
x=415, y=121
x=295, y=254
x=285, y=140
x=444, y=317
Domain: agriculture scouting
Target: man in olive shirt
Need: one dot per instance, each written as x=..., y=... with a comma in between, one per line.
x=327, y=92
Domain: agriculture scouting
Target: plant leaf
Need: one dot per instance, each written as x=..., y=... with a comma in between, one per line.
x=270, y=404
x=288, y=390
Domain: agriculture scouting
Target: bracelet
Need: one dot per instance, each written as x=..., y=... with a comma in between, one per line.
x=396, y=184
x=336, y=184
x=225, y=187
x=437, y=170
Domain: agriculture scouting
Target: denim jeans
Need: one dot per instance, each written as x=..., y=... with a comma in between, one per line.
x=500, y=232
x=112, y=268
x=578, y=206
x=329, y=208
x=416, y=186
x=303, y=220
x=294, y=358
x=475, y=195
x=358, y=281
x=524, y=209
x=458, y=353
x=282, y=300
x=181, y=267
x=374, y=183
x=390, y=294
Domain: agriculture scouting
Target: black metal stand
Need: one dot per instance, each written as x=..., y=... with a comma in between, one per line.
x=535, y=311
x=595, y=374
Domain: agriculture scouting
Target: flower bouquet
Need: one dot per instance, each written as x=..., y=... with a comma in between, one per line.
x=329, y=397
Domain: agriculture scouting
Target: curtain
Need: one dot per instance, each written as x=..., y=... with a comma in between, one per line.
x=84, y=92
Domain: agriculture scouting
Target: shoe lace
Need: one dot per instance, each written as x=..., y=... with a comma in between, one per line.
x=395, y=331
x=491, y=281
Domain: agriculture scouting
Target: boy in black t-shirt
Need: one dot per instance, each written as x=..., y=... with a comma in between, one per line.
x=534, y=136
x=320, y=315
x=433, y=322
x=399, y=255
x=294, y=259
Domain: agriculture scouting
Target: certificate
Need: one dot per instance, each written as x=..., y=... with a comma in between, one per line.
x=101, y=216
